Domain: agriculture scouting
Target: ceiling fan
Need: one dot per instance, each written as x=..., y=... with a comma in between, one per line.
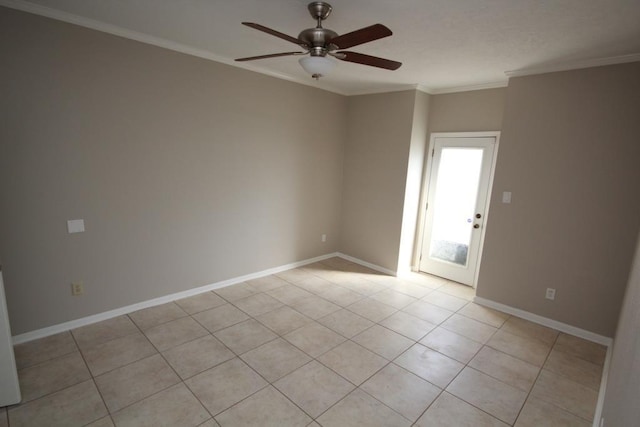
x=321, y=42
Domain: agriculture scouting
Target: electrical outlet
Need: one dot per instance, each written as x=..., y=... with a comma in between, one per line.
x=323, y=237
x=551, y=294
x=77, y=288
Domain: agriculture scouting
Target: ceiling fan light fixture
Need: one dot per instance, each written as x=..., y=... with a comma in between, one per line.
x=317, y=66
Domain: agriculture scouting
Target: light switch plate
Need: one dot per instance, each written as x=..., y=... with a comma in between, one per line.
x=506, y=197
x=75, y=226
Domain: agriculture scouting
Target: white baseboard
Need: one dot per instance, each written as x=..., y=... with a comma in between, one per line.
x=544, y=321
x=563, y=327
x=367, y=264
x=73, y=324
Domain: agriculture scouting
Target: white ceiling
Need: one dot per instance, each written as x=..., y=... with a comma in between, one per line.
x=444, y=45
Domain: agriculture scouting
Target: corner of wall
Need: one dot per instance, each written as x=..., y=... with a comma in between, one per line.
x=414, y=179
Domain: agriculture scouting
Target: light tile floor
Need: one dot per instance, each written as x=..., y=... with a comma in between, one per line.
x=330, y=344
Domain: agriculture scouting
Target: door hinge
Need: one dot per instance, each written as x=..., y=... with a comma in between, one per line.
x=433, y=152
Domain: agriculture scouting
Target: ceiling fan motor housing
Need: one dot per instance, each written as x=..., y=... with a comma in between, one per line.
x=317, y=40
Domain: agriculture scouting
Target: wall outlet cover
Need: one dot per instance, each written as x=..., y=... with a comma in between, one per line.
x=77, y=288
x=551, y=294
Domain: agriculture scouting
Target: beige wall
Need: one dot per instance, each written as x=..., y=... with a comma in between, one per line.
x=413, y=187
x=623, y=384
x=473, y=111
x=186, y=172
x=376, y=157
x=189, y=172
x=569, y=153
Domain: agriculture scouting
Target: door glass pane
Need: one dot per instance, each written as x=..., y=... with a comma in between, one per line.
x=456, y=194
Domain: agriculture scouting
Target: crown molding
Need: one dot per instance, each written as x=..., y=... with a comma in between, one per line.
x=431, y=91
x=424, y=89
x=52, y=13
x=574, y=65
x=469, y=88
x=93, y=24
x=385, y=89
x=115, y=30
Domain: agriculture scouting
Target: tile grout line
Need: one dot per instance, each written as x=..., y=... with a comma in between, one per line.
x=158, y=352
x=389, y=362
x=562, y=376
x=312, y=359
x=537, y=377
x=22, y=403
x=357, y=387
x=444, y=389
x=369, y=296
x=210, y=333
x=92, y=379
x=131, y=363
x=466, y=365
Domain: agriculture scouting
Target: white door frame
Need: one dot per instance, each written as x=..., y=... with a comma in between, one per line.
x=425, y=190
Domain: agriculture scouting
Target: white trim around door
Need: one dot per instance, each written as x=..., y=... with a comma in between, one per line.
x=488, y=143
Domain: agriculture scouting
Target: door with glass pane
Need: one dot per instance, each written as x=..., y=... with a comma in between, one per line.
x=457, y=200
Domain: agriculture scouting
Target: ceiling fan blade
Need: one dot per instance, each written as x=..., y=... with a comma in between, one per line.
x=274, y=33
x=373, y=61
x=272, y=55
x=363, y=35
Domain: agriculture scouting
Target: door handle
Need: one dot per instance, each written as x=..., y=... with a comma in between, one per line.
x=478, y=216
x=476, y=225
